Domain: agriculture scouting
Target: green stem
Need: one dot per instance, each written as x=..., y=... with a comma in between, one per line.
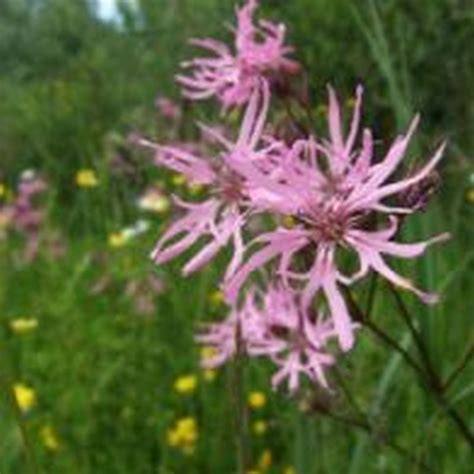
x=465, y=359
x=431, y=381
x=6, y=381
x=237, y=392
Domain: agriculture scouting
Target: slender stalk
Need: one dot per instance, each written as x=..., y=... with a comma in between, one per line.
x=360, y=317
x=6, y=381
x=436, y=384
x=363, y=425
x=432, y=382
x=236, y=389
x=371, y=296
x=347, y=393
x=417, y=339
x=465, y=359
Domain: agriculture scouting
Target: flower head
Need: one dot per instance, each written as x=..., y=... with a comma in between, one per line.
x=233, y=76
x=86, y=178
x=154, y=200
x=259, y=427
x=185, y=384
x=25, y=397
x=184, y=435
x=335, y=192
x=167, y=108
x=23, y=214
x=275, y=325
x=49, y=438
x=219, y=219
x=257, y=400
x=23, y=325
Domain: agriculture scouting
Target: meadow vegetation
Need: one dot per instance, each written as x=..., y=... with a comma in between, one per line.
x=99, y=369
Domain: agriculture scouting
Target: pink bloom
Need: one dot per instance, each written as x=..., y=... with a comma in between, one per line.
x=334, y=192
x=220, y=218
x=222, y=337
x=232, y=77
x=167, y=108
x=24, y=215
x=276, y=326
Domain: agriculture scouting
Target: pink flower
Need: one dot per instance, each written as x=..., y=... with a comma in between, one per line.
x=167, y=108
x=232, y=77
x=222, y=337
x=24, y=215
x=220, y=218
x=335, y=193
x=275, y=325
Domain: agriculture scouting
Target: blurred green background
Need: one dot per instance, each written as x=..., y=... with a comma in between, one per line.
x=101, y=375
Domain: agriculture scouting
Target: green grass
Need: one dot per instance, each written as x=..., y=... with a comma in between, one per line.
x=71, y=91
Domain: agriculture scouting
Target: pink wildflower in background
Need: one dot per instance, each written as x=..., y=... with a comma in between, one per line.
x=167, y=108
x=232, y=77
x=24, y=215
x=333, y=207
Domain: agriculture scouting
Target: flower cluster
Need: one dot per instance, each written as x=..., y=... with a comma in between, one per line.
x=23, y=214
x=232, y=76
x=184, y=435
x=296, y=214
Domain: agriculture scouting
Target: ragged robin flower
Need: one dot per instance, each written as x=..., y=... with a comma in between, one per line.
x=335, y=191
x=217, y=221
x=260, y=54
x=274, y=324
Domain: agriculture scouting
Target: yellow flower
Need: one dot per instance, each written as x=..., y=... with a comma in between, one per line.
x=6, y=193
x=49, y=438
x=209, y=375
x=184, y=435
x=470, y=195
x=23, y=325
x=265, y=460
x=216, y=298
x=185, y=384
x=178, y=180
x=25, y=397
x=86, y=178
x=207, y=352
x=259, y=427
x=289, y=470
x=117, y=239
x=257, y=400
